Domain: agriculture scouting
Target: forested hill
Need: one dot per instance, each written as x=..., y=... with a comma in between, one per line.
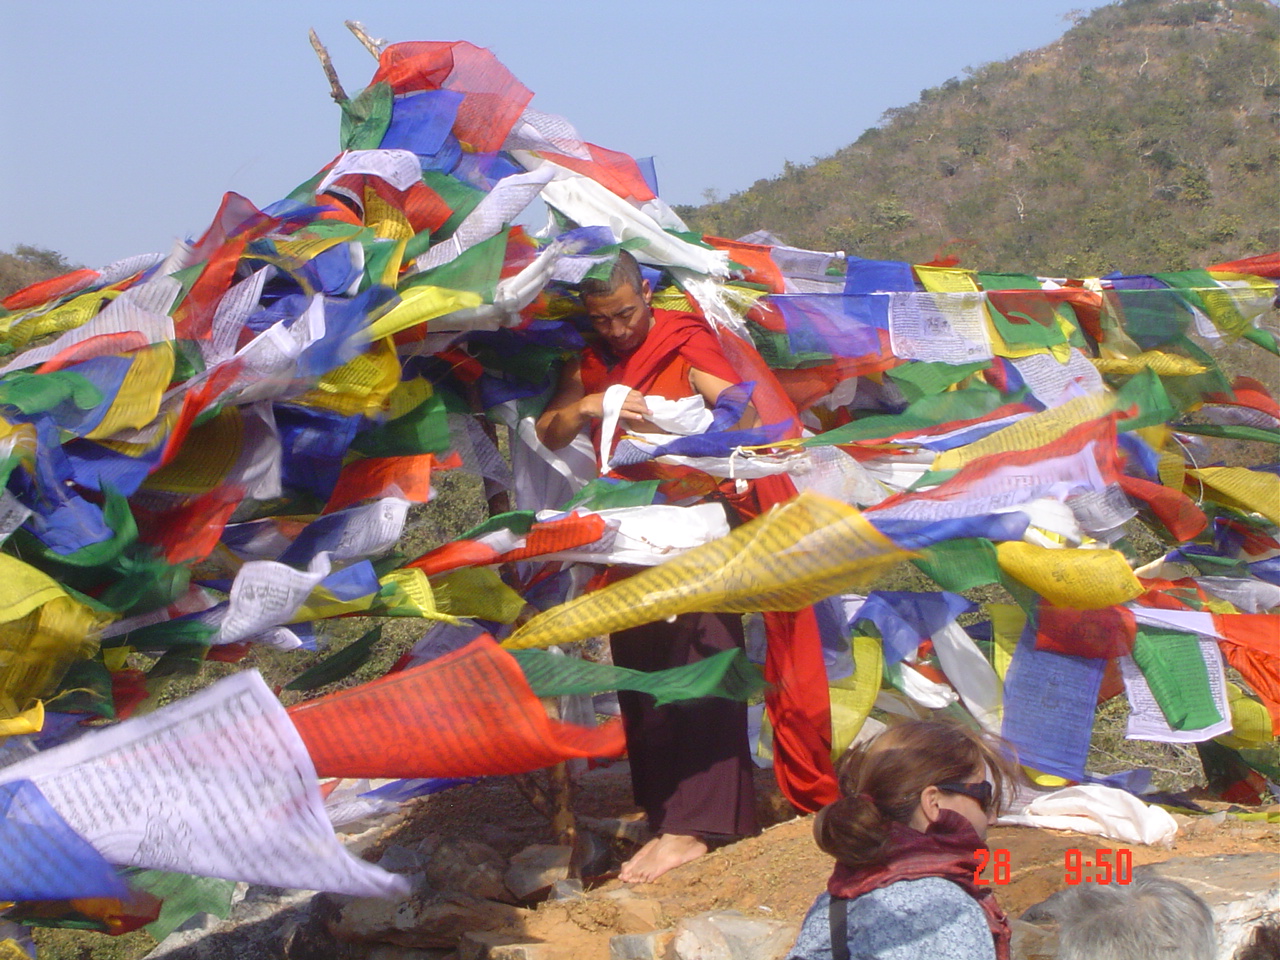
x=1146, y=137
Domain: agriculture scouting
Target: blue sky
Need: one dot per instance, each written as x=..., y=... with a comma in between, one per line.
x=124, y=123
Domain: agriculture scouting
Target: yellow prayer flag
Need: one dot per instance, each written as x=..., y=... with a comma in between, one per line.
x=320, y=603
x=1084, y=579
x=299, y=249
x=477, y=592
x=30, y=720
x=34, y=324
x=946, y=279
x=207, y=456
x=1250, y=721
x=407, y=593
x=1165, y=364
x=1030, y=432
x=853, y=697
x=138, y=400
x=1251, y=490
x=407, y=395
x=361, y=385
x=23, y=588
x=1172, y=470
x=387, y=221
x=36, y=649
x=1007, y=623
x=18, y=440
x=419, y=305
x=794, y=555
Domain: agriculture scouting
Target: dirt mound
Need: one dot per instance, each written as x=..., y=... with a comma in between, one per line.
x=774, y=875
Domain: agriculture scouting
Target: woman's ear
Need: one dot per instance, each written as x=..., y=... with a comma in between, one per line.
x=929, y=805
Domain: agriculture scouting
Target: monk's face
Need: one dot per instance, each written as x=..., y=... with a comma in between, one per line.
x=623, y=318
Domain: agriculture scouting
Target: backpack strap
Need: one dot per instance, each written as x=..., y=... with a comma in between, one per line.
x=838, y=917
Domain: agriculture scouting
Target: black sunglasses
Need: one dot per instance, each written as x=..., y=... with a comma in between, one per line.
x=981, y=792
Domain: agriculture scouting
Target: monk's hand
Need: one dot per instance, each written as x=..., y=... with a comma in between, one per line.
x=633, y=407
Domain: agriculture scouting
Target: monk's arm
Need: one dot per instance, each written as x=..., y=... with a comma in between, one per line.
x=571, y=408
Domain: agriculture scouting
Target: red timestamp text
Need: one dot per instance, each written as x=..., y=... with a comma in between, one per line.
x=999, y=862
x=1107, y=866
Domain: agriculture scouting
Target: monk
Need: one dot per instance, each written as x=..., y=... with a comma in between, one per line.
x=691, y=768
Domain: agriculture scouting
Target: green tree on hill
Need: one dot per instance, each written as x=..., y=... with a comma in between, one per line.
x=1144, y=137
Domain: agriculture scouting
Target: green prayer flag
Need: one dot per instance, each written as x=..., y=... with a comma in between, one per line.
x=604, y=493
x=971, y=403
x=85, y=688
x=1146, y=391
x=38, y=392
x=460, y=197
x=339, y=666
x=424, y=429
x=1178, y=677
x=1018, y=328
x=183, y=897
x=959, y=565
x=477, y=269
x=165, y=635
x=1231, y=431
x=923, y=378
x=365, y=118
x=728, y=674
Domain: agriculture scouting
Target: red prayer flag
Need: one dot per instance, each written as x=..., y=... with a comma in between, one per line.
x=1178, y=512
x=45, y=290
x=469, y=713
x=1097, y=634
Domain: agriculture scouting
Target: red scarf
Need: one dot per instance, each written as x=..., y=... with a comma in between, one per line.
x=945, y=850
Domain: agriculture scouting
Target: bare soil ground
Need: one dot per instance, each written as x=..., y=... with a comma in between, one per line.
x=775, y=875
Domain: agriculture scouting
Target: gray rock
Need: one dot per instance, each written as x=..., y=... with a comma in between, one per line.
x=400, y=859
x=389, y=951
x=534, y=869
x=497, y=946
x=654, y=945
x=252, y=931
x=1242, y=890
x=728, y=935
x=467, y=866
x=424, y=919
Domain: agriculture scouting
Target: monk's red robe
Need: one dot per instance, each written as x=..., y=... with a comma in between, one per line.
x=798, y=702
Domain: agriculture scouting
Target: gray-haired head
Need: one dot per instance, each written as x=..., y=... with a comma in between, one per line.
x=1149, y=919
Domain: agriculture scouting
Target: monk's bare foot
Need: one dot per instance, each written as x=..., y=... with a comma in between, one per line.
x=626, y=874
x=659, y=855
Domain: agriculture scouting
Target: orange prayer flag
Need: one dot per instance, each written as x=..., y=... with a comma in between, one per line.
x=468, y=713
x=1251, y=644
x=405, y=477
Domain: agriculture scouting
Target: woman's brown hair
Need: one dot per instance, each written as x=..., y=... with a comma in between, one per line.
x=882, y=780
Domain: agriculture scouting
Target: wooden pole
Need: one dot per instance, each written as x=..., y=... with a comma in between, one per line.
x=369, y=43
x=335, y=87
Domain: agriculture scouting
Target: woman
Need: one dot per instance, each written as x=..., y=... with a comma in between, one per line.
x=916, y=803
